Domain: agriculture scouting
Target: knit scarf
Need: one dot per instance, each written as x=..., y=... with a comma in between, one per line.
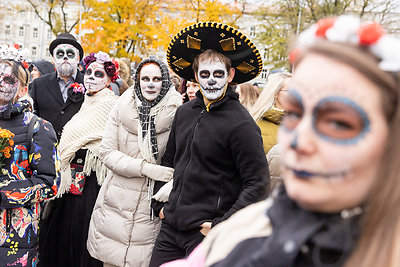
x=85, y=129
x=144, y=107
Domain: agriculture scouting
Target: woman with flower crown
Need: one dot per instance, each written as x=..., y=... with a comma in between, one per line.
x=340, y=153
x=29, y=165
x=82, y=171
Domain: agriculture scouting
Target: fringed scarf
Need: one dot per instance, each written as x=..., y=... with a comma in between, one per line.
x=85, y=129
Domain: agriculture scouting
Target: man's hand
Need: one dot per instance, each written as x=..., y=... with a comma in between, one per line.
x=205, y=228
x=161, y=214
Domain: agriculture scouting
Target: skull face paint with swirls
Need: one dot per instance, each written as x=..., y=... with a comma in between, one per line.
x=213, y=78
x=150, y=81
x=66, y=58
x=8, y=84
x=332, y=136
x=96, y=78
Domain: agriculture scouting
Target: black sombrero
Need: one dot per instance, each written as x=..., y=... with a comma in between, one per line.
x=195, y=39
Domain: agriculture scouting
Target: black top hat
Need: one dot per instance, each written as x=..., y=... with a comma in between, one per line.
x=66, y=38
x=195, y=39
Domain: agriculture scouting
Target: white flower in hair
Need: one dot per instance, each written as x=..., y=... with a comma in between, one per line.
x=344, y=30
x=387, y=48
x=102, y=57
x=12, y=53
x=307, y=37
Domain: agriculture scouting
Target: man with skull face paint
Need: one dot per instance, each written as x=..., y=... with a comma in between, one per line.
x=50, y=92
x=215, y=147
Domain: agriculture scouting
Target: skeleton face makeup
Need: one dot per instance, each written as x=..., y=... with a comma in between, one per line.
x=333, y=135
x=213, y=79
x=150, y=81
x=8, y=84
x=96, y=78
x=66, y=59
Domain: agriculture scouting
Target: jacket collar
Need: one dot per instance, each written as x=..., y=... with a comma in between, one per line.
x=230, y=94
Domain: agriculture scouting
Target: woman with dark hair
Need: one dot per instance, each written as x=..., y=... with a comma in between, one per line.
x=64, y=243
x=29, y=166
x=340, y=152
x=188, y=90
x=123, y=229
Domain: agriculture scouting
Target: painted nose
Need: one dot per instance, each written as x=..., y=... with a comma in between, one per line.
x=151, y=85
x=211, y=82
x=91, y=78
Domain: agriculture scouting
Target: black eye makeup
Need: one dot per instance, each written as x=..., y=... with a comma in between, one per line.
x=293, y=110
x=9, y=79
x=59, y=53
x=219, y=74
x=204, y=74
x=88, y=72
x=99, y=74
x=70, y=53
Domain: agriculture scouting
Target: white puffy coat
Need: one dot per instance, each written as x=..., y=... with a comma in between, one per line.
x=121, y=230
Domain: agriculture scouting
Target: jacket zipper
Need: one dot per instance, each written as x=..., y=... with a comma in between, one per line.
x=187, y=163
x=219, y=198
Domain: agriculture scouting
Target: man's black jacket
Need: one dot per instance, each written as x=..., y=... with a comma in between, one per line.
x=49, y=103
x=219, y=161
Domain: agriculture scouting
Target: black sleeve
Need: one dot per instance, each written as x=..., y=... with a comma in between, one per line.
x=251, y=163
x=167, y=161
x=32, y=92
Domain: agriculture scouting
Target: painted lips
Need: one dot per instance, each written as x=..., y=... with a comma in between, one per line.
x=303, y=174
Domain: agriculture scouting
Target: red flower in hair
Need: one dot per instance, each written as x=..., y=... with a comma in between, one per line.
x=16, y=46
x=293, y=55
x=369, y=33
x=26, y=65
x=323, y=25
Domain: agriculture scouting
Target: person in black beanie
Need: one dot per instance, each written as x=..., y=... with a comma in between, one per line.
x=39, y=68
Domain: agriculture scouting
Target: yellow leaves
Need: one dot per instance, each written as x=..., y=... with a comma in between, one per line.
x=124, y=28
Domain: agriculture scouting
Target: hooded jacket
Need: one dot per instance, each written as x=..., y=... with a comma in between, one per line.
x=219, y=161
x=269, y=125
x=43, y=66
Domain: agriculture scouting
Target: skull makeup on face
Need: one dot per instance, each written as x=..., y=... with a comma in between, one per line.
x=8, y=84
x=213, y=78
x=66, y=59
x=150, y=81
x=332, y=136
x=96, y=78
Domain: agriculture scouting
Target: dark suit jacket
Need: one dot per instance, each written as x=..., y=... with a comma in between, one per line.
x=48, y=101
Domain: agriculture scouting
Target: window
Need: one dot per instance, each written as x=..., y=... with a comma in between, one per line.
x=33, y=50
x=21, y=31
x=8, y=29
x=252, y=31
x=35, y=32
x=22, y=13
x=10, y=12
x=49, y=34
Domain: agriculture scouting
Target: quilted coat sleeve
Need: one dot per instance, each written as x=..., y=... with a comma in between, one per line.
x=44, y=169
x=117, y=161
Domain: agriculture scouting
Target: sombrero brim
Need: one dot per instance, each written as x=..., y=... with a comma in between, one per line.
x=195, y=39
x=58, y=41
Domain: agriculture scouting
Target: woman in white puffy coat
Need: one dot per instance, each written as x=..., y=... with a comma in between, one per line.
x=122, y=229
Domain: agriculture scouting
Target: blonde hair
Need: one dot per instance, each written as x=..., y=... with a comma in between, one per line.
x=266, y=100
x=248, y=94
x=379, y=243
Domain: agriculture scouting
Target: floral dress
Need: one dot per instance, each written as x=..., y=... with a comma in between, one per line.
x=29, y=176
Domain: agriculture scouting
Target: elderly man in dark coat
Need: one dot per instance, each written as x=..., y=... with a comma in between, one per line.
x=51, y=93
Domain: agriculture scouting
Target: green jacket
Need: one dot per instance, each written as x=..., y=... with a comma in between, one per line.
x=269, y=125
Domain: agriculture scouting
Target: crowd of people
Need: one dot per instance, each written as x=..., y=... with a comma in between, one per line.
x=189, y=163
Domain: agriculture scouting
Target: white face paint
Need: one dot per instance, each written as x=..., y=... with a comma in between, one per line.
x=66, y=58
x=150, y=81
x=96, y=78
x=8, y=84
x=333, y=135
x=212, y=77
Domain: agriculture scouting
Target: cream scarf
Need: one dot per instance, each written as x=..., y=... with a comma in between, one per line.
x=85, y=129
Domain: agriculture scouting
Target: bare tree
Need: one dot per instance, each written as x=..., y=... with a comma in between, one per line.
x=53, y=13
